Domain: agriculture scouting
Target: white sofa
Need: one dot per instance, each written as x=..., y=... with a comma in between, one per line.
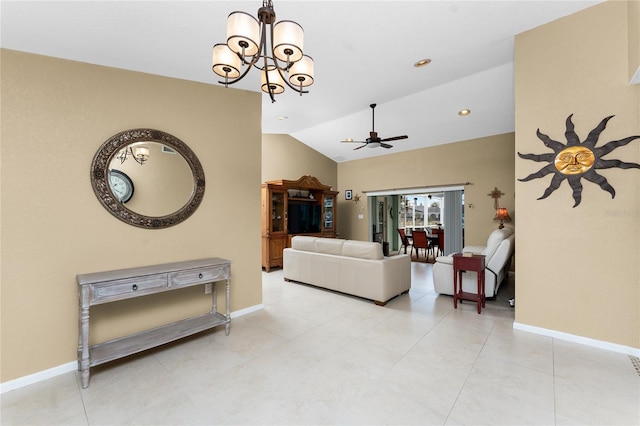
x=498, y=252
x=353, y=267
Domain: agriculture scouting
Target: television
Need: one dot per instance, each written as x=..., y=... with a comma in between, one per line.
x=303, y=218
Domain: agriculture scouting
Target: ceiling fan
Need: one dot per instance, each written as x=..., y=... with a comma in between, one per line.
x=373, y=141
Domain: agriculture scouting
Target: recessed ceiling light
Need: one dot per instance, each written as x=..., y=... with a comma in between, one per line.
x=464, y=112
x=282, y=118
x=422, y=63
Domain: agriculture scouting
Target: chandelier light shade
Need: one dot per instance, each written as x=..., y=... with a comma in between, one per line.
x=243, y=34
x=276, y=49
x=288, y=39
x=502, y=214
x=140, y=154
x=226, y=63
x=271, y=81
x=301, y=72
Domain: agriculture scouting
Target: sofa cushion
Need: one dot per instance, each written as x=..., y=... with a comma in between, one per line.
x=329, y=246
x=362, y=250
x=304, y=243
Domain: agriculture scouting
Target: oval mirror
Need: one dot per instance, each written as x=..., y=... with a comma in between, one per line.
x=147, y=178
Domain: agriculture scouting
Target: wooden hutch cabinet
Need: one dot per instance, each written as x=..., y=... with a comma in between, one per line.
x=294, y=207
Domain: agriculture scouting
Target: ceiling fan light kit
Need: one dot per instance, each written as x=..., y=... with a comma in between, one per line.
x=373, y=141
x=275, y=48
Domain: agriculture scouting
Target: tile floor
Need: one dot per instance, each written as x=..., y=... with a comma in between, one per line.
x=316, y=357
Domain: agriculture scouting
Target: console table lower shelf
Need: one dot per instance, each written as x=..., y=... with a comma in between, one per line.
x=111, y=286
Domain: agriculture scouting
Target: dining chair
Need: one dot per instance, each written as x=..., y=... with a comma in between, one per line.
x=439, y=243
x=420, y=241
x=405, y=240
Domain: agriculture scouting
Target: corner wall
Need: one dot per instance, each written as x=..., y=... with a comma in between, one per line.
x=285, y=157
x=55, y=115
x=577, y=268
x=634, y=41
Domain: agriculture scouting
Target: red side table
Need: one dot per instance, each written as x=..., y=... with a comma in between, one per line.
x=474, y=263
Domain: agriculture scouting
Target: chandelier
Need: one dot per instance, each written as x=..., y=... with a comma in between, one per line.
x=276, y=52
x=140, y=154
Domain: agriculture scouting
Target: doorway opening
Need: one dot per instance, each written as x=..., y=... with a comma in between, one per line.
x=434, y=210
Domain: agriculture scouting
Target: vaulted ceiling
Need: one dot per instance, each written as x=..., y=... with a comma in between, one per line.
x=363, y=51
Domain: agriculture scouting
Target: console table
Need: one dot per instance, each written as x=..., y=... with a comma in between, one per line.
x=111, y=286
x=474, y=263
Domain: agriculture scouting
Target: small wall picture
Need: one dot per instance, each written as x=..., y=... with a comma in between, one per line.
x=348, y=194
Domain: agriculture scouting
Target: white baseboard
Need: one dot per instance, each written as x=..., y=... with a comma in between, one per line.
x=38, y=377
x=614, y=347
x=73, y=365
x=245, y=311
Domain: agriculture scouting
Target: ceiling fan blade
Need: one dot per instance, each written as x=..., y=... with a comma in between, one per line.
x=395, y=138
x=385, y=145
x=360, y=147
x=346, y=141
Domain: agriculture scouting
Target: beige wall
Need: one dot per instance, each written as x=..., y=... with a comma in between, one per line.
x=577, y=268
x=284, y=157
x=55, y=115
x=485, y=163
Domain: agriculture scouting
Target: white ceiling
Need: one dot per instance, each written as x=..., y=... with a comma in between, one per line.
x=364, y=53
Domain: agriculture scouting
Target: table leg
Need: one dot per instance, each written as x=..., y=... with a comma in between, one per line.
x=214, y=298
x=455, y=288
x=83, y=347
x=228, y=322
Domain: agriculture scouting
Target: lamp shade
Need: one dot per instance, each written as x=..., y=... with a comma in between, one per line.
x=243, y=33
x=288, y=41
x=225, y=62
x=275, y=84
x=142, y=153
x=502, y=214
x=301, y=72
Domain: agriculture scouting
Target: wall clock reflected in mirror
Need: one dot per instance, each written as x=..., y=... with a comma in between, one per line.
x=121, y=185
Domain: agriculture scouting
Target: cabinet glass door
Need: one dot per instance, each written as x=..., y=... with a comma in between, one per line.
x=277, y=212
x=328, y=212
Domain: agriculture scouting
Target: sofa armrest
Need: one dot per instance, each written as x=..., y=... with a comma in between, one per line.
x=501, y=256
x=474, y=249
x=447, y=260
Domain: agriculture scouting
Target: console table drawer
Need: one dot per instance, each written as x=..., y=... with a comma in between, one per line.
x=126, y=288
x=195, y=276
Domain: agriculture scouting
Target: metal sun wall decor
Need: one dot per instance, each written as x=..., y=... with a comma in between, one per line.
x=576, y=160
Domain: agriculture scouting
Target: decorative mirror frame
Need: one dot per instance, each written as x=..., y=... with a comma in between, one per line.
x=102, y=189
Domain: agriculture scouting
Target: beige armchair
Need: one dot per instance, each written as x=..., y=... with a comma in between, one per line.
x=498, y=253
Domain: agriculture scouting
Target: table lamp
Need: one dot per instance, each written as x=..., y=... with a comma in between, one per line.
x=502, y=214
